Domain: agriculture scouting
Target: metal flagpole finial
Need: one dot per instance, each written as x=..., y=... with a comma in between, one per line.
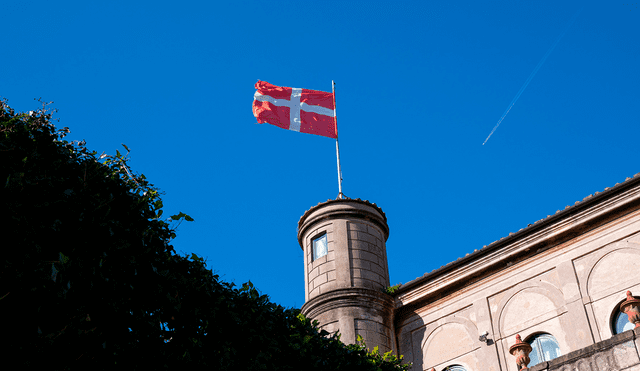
x=335, y=120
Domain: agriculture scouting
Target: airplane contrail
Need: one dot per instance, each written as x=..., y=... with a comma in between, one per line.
x=535, y=70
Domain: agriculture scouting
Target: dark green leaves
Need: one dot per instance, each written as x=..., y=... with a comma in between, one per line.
x=89, y=279
x=181, y=216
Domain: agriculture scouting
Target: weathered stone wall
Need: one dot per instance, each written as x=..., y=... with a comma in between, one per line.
x=375, y=332
x=368, y=256
x=547, y=294
x=357, y=255
x=567, y=279
x=321, y=273
x=353, y=312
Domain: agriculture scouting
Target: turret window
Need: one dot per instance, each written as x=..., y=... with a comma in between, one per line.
x=454, y=368
x=320, y=247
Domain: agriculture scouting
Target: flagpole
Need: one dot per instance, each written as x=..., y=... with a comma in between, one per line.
x=335, y=120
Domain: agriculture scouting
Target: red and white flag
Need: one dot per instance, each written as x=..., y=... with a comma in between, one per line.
x=303, y=110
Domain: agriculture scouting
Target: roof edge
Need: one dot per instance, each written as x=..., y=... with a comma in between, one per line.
x=586, y=202
x=338, y=200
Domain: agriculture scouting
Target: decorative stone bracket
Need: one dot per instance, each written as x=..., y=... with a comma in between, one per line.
x=631, y=307
x=521, y=351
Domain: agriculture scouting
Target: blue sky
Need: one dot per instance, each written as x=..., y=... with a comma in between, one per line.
x=419, y=86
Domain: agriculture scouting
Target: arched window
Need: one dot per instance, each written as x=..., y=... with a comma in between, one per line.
x=621, y=322
x=454, y=368
x=544, y=347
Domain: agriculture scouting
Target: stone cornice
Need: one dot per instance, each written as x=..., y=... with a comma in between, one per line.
x=594, y=211
x=339, y=208
x=348, y=297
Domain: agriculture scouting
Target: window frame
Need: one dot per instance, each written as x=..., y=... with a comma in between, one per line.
x=533, y=337
x=313, y=246
x=614, y=319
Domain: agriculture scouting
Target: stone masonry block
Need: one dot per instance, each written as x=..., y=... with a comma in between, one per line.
x=619, y=357
x=363, y=324
x=314, y=292
x=372, y=248
x=363, y=236
x=356, y=273
x=359, y=282
x=322, y=278
x=328, y=286
x=374, y=232
x=369, y=275
x=384, y=330
x=319, y=261
x=353, y=235
x=384, y=281
x=331, y=276
x=625, y=354
x=331, y=256
x=360, y=245
x=356, y=254
x=358, y=227
x=369, y=256
x=329, y=236
x=364, y=264
x=377, y=269
x=313, y=274
x=376, y=338
x=328, y=266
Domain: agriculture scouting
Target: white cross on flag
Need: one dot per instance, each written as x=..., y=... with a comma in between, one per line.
x=303, y=110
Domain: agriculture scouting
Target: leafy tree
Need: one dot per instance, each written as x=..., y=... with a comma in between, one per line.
x=89, y=278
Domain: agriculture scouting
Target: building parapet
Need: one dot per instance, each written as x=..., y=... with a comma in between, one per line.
x=620, y=352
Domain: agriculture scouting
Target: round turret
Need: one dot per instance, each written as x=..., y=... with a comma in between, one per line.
x=346, y=272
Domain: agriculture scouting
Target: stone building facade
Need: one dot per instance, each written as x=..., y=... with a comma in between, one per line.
x=559, y=284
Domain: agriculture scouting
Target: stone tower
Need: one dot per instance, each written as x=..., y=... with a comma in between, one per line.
x=346, y=272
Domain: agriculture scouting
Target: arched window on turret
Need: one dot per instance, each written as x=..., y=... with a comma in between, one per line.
x=544, y=347
x=454, y=368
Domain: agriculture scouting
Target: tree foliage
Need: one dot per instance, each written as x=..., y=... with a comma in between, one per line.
x=89, y=278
